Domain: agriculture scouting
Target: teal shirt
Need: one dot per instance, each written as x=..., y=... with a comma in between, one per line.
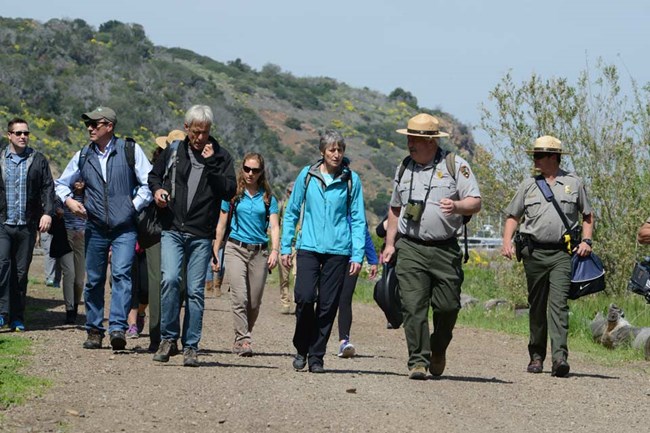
x=248, y=223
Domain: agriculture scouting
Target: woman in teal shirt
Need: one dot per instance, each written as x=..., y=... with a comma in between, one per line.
x=246, y=252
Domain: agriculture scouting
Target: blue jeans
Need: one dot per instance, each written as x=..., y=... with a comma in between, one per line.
x=98, y=242
x=177, y=248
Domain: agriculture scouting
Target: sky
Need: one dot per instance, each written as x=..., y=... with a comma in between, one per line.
x=447, y=54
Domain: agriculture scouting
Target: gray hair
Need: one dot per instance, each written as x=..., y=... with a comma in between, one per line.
x=199, y=114
x=329, y=138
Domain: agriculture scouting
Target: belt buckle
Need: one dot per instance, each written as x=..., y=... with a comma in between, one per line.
x=250, y=247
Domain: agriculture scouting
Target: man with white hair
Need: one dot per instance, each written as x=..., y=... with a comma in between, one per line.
x=188, y=202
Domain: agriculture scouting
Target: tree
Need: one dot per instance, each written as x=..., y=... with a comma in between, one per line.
x=402, y=95
x=607, y=133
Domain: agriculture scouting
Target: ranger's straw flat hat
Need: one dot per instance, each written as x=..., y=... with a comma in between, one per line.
x=423, y=125
x=174, y=135
x=547, y=144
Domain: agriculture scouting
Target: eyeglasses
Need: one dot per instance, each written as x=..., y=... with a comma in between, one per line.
x=248, y=169
x=540, y=155
x=20, y=133
x=94, y=124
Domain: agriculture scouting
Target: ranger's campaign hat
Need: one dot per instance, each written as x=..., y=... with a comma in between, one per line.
x=100, y=113
x=547, y=144
x=423, y=125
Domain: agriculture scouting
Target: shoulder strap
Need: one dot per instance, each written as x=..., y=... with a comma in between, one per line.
x=450, y=160
x=405, y=162
x=550, y=197
x=83, y=156
x=170, y=165
x=129, y=151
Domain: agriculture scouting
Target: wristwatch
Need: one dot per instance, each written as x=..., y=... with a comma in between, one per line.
x=587, y=241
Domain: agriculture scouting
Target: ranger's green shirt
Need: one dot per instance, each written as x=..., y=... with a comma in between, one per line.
x=541, y=220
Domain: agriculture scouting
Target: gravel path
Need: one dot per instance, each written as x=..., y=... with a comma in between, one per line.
x=484, y=388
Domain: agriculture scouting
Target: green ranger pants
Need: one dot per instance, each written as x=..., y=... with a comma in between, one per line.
x=548, y=273
x=428, y=276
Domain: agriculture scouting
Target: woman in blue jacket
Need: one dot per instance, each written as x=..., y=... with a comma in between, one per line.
x=328, y=246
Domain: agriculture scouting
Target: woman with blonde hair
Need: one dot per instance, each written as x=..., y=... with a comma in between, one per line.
x=244, y=222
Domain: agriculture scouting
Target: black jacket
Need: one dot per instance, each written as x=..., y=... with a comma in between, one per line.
x=40, y=189
x=217, y=183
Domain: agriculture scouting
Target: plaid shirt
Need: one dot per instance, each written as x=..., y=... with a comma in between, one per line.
x=16, y=186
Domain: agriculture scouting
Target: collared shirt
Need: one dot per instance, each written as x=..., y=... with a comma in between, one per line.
x=64, y=184
x=248, y=223
x=16, y=186
x=429, y=184
x=541, y=219
x=72, y=221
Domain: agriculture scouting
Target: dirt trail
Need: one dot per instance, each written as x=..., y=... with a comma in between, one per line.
x=485, y=386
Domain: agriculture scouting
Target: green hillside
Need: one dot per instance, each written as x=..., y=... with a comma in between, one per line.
x=53, y=72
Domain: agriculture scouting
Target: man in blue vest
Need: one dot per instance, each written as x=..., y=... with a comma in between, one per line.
x=115, y=174
x=26, y=204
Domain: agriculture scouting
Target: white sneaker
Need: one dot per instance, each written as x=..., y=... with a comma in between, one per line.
x=346, y=349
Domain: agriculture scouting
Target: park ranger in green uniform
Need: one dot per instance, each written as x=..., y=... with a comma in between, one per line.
x=545, y=252
x=426, y=212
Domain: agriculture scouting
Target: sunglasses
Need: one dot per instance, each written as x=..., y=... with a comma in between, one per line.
x=540, y=155
x=248, y=169
x=94, y=124
x=20, y=133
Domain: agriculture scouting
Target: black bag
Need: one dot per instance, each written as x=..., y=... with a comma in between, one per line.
x=640, y=280
x=386, y=295
x=148, y=220
x=149, y=226
x=587, y=275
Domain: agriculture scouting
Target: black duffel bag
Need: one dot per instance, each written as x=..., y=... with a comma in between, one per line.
x=149, y=225
x=386, y=295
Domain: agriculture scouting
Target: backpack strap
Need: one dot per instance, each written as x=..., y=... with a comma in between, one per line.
x=170, y=165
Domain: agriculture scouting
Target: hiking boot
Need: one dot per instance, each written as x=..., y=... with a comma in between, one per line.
x=164, y=351
x=285, y=309
x=70, y=317
x=560, y=368
x=190, y=358
x=299, y=362
x=346, y=349
x=316, y=368
x=139, y=322
x=118, y=340
x=94, y=340
x=132, y=332
x=437, y=365
x=17, y=326
x=535, y=366
x=418, y=372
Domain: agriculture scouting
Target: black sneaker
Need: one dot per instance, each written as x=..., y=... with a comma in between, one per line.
x=190, y=359
x=299, y=362
x=118, y=340
x=94, y=340
x=560, y=368
x=70, y=317
x=316, y=368
x=173, y=349
x=163, y=353
x=153, y=346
